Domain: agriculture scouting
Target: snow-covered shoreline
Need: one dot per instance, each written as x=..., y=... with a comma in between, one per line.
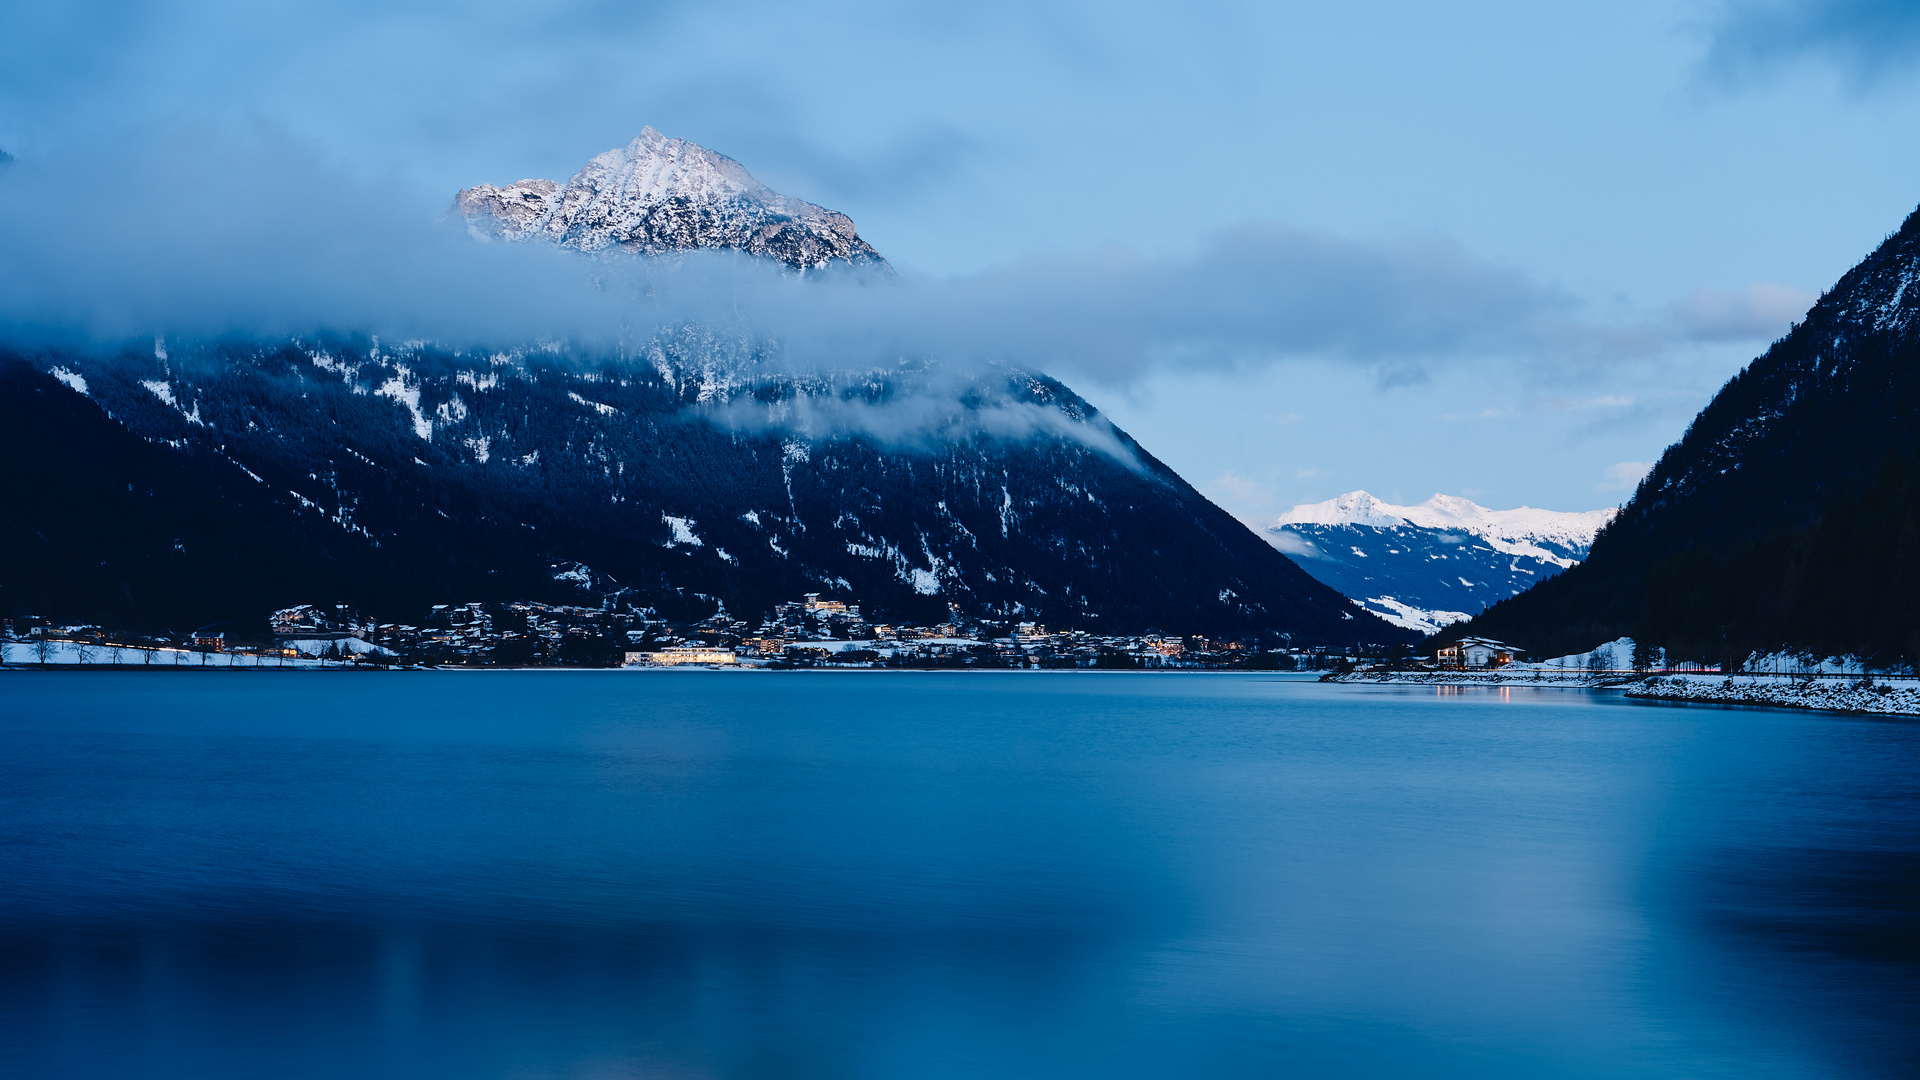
x=1861, y=695
x=1880, y=697
x=1500, y=677
x=76, y=655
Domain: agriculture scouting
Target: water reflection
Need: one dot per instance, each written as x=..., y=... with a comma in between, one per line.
x=1503, y=694
x=944, y=876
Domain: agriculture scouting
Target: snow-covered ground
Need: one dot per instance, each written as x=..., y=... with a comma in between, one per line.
x=1783, y=680
x=1506, y=676
x=1789, y=664
x=343, y=646
x=72, y=654
x=1879, y=695
x=1614, y=656
x=1425, y=620
x=1610, y=662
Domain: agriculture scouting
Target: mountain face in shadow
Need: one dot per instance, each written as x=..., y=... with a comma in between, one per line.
x=186, y=482
x=192, y=481
x=1787, y=516
x=393, y=479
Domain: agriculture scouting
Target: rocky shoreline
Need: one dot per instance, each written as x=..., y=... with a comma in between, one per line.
x=1860, y=695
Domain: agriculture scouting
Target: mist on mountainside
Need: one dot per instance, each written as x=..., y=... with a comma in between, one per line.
x=201, y=233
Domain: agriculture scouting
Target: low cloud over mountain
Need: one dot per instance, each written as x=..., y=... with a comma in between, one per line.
x=208, y=231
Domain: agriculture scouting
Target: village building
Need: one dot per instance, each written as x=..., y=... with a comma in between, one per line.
x=817, y=606
x=1477, y=652
x=679, y=655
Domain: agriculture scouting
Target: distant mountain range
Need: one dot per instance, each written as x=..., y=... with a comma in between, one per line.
x=1787, y=516
x=1427, y=566
x=177, y=483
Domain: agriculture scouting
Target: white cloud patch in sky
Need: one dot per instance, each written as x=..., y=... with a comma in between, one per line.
x=1758, y=312
x=1237, y=490
x=1623, y=476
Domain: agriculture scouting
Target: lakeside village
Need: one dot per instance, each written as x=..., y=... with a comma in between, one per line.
x=811, y=632
x=814, y=632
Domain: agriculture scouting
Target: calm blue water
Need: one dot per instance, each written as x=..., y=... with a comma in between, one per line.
x=915, y=875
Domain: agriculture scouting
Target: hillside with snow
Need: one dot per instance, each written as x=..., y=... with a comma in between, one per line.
x=1439, y=562
x=180, y=482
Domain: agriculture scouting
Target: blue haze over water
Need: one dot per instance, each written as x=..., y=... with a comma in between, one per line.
x=851, y=875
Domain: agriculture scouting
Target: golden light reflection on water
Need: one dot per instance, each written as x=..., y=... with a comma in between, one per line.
x=1502, y=693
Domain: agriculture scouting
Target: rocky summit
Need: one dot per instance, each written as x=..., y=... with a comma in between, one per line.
x=657, y=196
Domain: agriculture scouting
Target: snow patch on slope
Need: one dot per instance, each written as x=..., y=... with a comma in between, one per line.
x=1425, y=620
x=681, y=530
x=599, y=407
x=409, y=396
x=76, y=381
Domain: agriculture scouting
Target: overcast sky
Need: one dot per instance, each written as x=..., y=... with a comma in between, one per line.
x=1503, y=250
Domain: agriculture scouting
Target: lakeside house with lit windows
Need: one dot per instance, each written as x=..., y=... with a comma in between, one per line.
x=1477, y=652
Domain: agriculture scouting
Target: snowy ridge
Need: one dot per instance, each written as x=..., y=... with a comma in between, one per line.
x=658, y=195
x=1537, y=534
x=1426, y=567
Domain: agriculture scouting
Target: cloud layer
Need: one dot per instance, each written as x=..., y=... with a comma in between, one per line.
x=1757, y=312
x=206, y=232
x=1864, y=41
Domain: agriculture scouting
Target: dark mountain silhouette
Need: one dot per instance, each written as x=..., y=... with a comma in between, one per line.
x=1787, y=516
x=233, y=478
x=196, y=481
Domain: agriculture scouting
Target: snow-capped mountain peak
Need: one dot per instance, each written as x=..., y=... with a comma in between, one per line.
x=1439, y=562
x=1523, y=530
x=658, y=195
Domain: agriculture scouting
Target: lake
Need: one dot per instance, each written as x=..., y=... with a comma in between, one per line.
x=929, y=875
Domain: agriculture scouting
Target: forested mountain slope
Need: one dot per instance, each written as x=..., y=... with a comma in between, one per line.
x=393, y=478
x=177, y=482
x=1785, y=516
